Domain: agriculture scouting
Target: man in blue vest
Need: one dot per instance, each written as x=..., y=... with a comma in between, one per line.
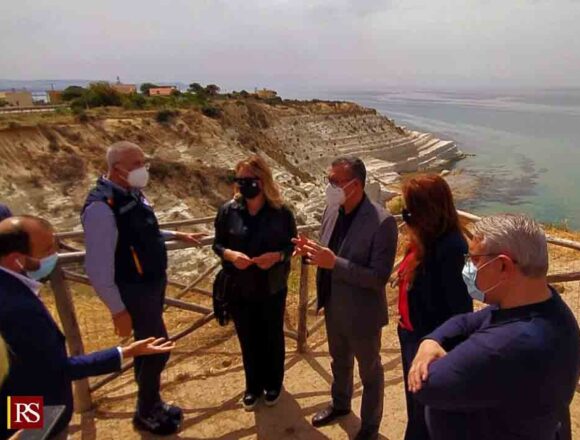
x=126, y=262
x=39, y=364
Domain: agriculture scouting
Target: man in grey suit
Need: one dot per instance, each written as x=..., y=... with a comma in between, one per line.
x=354, y=258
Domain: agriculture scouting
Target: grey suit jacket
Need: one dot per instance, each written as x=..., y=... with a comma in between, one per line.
x=357, y=302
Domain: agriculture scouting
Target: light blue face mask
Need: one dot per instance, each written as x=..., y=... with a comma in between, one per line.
x=47, y=265
x=470, y=279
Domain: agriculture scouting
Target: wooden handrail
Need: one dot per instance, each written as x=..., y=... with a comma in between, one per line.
x=67, y=258
x=173, y=224
x=550, y=239
x=207, y=220
x=66, y=311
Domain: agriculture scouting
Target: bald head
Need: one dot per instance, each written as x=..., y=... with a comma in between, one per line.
x=22, y=237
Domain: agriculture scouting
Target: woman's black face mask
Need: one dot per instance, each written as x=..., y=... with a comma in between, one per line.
x=407, y=217
x=249, y=187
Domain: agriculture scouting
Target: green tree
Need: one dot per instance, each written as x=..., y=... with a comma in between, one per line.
x=146, y=86
x=195, y=88
x=78, y=105
x=212, y=89
x=3, y=103
x=102, y=94
x=73, y=92
x=166, y=116
x=134, y=101
x=211, y=111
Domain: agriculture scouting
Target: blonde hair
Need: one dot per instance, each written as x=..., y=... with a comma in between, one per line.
x=258, y=166
x=4, y=362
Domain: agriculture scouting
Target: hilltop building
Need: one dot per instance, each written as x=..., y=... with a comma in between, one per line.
x=54, y=97
x=125, y=89
x=17, y=98
x=162, y=90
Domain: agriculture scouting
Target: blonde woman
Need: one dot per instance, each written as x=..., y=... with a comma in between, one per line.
x=253, y=234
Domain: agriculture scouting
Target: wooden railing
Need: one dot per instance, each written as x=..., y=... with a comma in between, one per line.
x=62, y=275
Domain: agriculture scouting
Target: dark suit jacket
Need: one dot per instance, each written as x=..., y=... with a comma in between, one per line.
x=438, y=291
x=39, y=364
x=363, y=266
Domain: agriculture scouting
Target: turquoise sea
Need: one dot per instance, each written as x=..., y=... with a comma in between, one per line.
x=525, y=144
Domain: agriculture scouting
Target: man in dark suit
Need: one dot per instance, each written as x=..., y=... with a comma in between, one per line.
x=355, y=259
x=39, y=364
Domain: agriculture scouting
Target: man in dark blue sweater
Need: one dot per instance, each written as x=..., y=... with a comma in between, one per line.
x=39, y=364
x=510, y=370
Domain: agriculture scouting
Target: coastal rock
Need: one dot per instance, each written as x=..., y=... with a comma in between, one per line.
x=47, y=168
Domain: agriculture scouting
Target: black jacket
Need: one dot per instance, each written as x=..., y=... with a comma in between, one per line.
x=438, y=291
x=270, y=230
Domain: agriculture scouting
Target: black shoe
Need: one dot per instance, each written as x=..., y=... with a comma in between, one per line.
x=272, y=397
x=328, y=415
x=250, y=400
x=157, y=423
x=367, y=434
x=175, y=413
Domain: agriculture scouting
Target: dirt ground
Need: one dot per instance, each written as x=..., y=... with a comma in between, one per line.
x=207, y=382
x=205, y=377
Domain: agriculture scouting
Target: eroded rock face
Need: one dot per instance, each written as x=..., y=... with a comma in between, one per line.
x=47, y=169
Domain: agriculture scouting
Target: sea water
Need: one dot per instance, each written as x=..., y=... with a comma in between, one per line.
x=523, y=146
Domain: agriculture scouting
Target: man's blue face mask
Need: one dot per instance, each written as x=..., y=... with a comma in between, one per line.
x=47, y=265
x=469, y=273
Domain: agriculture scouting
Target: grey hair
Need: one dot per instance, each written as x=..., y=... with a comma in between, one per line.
x=356, y=166
x=518, y=236
x=116, y=151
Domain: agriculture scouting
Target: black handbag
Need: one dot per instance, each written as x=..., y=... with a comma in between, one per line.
x=221, y=297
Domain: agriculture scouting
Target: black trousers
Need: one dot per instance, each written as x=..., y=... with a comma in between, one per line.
x=416, y=425
x=144, y=302
x=260, y=328
x=344, y=348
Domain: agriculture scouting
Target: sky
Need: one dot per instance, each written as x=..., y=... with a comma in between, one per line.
x=296, y=44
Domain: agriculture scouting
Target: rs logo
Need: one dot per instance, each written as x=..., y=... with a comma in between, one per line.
x=25, y=412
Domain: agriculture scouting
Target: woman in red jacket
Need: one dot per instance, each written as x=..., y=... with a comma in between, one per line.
x=431, y=287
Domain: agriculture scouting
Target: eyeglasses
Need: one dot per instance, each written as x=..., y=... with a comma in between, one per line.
x=469, y=257
x=338, y=183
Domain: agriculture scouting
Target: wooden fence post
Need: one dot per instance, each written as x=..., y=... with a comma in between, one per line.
x=66, y=312
x=303, y=307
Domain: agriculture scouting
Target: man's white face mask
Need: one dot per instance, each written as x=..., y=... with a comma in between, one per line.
x=335, y=195
x=138, y=178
